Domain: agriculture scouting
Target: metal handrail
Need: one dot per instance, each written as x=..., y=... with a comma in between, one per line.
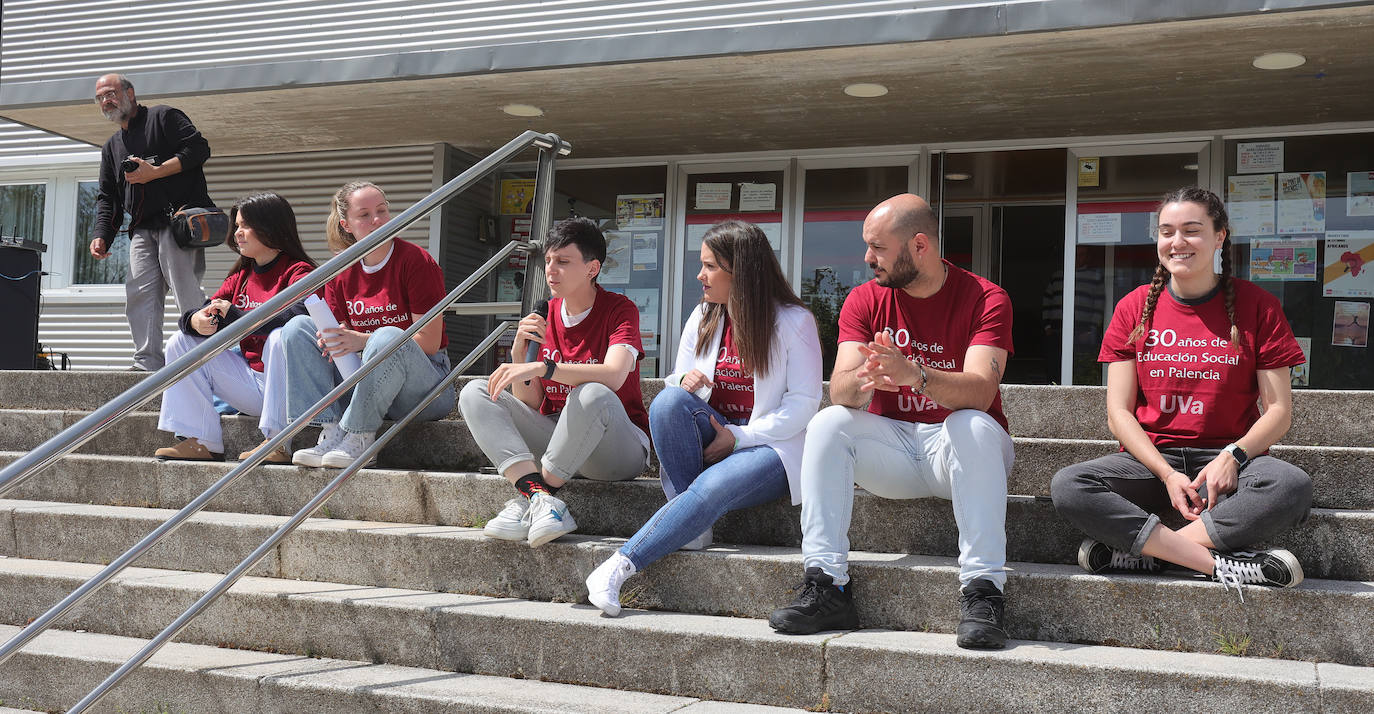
x=71, y=438
x=84, y=430
x=233, y=576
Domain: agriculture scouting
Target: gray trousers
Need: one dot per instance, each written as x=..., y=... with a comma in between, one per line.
x=1116, y=500
x=157, y=263
x=592, y=436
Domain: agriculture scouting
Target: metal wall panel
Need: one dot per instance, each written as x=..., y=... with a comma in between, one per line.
x=96, y=335
x=22, y=146
x=53, y=49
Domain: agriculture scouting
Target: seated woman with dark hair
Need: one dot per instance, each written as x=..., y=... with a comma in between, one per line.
x=1189, y=356
x=730, y=424
x=252, y=379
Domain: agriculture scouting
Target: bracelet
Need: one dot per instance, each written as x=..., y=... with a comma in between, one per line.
x=549, y=367
x=922, y=390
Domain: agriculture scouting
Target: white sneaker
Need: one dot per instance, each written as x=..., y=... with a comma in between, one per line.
x=512, y=523
x=549, y=519
x=330, y=435
x=348, y=450
x=603, y=585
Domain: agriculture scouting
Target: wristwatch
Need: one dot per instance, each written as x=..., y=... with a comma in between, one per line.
x=550, y=366
x=1237, y=453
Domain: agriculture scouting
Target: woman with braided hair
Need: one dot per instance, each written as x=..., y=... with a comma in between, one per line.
x=1188, y=357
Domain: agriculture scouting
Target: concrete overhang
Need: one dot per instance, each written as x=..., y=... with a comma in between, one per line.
x=1191, y=76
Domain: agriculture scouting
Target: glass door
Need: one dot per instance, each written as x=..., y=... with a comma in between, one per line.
x=1113, y=193
x=708, y=194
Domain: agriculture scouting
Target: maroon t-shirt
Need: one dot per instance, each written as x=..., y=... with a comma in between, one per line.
x=614, y=320
x=410, y=283
x=248, y=289
x=935, y=331
x=1193, y=387
x=733, y=393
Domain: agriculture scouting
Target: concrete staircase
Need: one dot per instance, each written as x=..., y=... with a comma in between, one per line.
x=393, y=601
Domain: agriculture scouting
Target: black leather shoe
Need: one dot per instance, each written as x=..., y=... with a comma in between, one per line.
x=821, y=605
x=980, y=616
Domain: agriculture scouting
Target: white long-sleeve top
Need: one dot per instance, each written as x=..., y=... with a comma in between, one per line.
x=785, y=397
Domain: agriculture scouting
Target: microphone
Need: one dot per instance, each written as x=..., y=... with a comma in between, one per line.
x=532, y=350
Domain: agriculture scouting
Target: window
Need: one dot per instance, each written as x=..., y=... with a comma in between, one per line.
x=1302, y=223
x=21, y=211
x=86, y=270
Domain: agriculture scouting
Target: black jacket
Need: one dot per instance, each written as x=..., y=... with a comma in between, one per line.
x=155, y=134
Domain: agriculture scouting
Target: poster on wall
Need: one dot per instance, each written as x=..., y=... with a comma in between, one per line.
x=1302, y=373
x=713, y=196
x=615, y=270
x=1350, y=324
x=1099, y=228
x=508, y=285
x=1349, y=270
x=1089, y=171
x=645, y=251
x=758, y=196
x=517, y=196
x=1302, y=202
x=646, y=299
x=1283, y=260
x=639, y=210
x=1251, y=204
x=1258, y=157
x=1361, y=193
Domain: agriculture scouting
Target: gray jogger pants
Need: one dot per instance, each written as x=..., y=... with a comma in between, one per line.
x=1116, y=500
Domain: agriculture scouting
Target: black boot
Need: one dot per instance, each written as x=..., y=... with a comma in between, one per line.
x=821, y=605
x=980, y=616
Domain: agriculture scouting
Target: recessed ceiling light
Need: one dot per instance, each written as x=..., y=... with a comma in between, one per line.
x=958, y=177
x=1190, y=167
x=865, y=90
x=1279, y=60
x=523, y=110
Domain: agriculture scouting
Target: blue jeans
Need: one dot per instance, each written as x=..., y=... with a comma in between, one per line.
x=680, y=424
x=390, y=390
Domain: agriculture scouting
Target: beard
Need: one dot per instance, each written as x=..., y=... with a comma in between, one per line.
x=903, y=271
x=121, y=113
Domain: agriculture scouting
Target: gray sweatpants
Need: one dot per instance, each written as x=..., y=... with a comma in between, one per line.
x=1116, y=500
x=157, y=263
x=593, y=435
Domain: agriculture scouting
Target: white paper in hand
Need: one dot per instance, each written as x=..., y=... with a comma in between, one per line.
x=324, y=317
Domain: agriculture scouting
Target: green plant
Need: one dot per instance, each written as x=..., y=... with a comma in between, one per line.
x=1228, y=644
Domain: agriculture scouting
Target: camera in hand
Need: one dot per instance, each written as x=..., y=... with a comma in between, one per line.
x=129, y=164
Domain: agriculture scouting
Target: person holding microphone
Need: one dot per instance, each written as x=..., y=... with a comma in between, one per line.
x=574, y=403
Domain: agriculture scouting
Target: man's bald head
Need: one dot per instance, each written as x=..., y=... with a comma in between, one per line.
x=906, y=214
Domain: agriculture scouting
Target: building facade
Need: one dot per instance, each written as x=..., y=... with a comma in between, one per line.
x=1043, y=131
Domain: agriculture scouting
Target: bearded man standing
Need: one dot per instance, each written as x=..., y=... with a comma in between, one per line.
x=148, y=169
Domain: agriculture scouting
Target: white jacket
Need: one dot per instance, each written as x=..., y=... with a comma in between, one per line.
x=785, y=398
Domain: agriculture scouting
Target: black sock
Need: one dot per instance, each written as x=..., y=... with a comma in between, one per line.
x=531, y=483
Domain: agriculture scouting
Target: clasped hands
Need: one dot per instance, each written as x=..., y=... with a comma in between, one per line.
x=206, y=320
x=1218, y=477
x=885, y=368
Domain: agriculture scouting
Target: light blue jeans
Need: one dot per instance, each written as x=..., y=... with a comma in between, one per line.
x=389, y=391
x=680, y=424
x=965, y=459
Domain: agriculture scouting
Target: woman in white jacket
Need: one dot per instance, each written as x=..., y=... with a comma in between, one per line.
x=729, y=426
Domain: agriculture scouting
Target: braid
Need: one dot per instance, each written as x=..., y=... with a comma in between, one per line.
x=1229, y=287
x=1147, y=312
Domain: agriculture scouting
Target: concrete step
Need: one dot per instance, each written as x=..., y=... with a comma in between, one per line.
x=1334, y=543
x=906, y=592
x=59, y=667
x=720, y=658
x=1343, y=476
x=1321, y=417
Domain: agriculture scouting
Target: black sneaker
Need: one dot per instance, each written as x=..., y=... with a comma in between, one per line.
x=980, y=616
x=821, y=605
x=1277, y=568
x=1098, y=557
